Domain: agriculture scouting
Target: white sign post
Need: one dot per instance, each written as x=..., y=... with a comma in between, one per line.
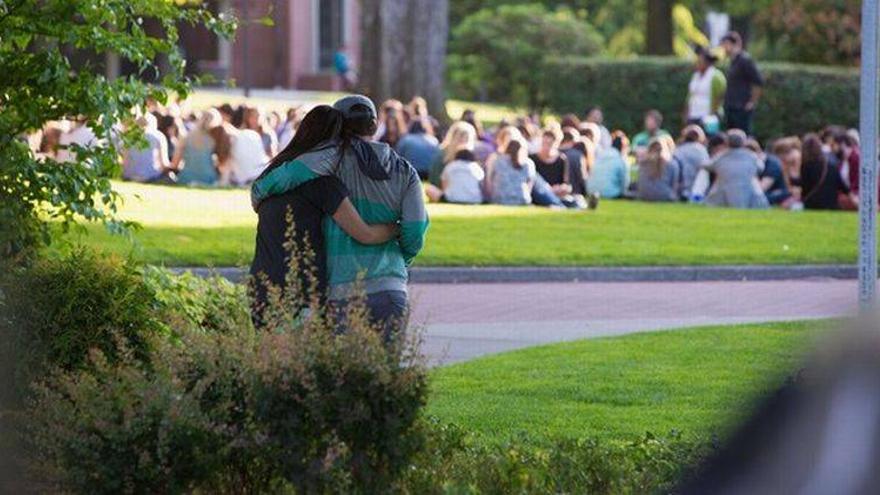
x=868, y=129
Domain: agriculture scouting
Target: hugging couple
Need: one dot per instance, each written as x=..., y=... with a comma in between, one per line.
x=356, y=206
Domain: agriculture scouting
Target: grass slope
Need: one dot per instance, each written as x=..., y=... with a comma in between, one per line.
x=697, y=381
x=204, y=227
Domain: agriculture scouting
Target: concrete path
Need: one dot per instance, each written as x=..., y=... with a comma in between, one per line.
x=465, y=321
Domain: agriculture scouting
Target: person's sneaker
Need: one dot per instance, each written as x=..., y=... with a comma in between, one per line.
x=593, y=200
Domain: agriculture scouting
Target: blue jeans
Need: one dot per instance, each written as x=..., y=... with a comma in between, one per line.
x=387, y=310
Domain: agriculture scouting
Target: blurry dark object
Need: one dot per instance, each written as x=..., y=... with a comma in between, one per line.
x=818, y=435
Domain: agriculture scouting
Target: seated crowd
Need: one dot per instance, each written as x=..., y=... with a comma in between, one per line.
x=566, y=163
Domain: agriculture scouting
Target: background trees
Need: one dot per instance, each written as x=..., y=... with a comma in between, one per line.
x=403, y=53
x=39, y=39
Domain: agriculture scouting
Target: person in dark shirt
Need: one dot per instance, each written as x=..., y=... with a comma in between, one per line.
x=744, y=84
x=820, y=180
x=291, y=223
x=772, y=178
x=577, y=160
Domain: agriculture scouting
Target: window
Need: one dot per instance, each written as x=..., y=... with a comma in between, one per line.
x=331, y=27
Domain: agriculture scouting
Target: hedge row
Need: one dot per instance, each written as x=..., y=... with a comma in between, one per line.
x=797, y=98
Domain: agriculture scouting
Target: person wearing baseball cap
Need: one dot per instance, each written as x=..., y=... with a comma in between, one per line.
x=744, y=83
x=384, y=188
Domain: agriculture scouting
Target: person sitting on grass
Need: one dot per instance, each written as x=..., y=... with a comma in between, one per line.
x=658, y=174
x=419, y=146
x=513, y=174
x=736, y=174
x=460, y=135
x=306, y=206
x=653, y=129
x=771, y=178
x=821, y=181
x=580, y=157
x=690, y=154
x=610, y=175
x=462, y=181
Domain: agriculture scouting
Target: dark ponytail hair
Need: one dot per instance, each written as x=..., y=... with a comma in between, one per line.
x=321, y=124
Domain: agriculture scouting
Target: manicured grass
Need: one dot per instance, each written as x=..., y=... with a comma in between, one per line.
x=697, y=381
x=209, y=227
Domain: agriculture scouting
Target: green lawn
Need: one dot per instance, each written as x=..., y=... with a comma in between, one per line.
x=204, y=227
x=696, y=381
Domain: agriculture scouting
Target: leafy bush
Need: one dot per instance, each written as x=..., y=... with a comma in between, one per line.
x=240, y=412
x=187, y=301
x=456, y=461
x=797, y=98
x=49, y=51
x=501, y=53
x=57, y=309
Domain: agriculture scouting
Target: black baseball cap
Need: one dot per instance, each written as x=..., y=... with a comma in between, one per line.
x=348, y=104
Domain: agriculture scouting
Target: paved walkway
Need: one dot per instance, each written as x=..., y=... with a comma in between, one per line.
x=470, y=320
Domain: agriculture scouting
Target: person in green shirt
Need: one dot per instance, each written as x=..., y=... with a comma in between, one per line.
x=653, y=129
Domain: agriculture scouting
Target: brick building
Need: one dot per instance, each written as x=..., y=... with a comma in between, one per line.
x=296, y=52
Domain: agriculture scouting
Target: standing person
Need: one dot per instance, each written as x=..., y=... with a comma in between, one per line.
x=736, y=176
x=705, y=102
x=194, y=157
x=385, y=189
x=744, y=85
x=658, y=174
x=821, y=181
x=306, y=207
x=148, y=163
x=419, y=146
x=691, y=154
x=344, y=68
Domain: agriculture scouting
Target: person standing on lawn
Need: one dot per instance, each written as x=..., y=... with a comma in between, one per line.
x=744, y=84
x=306, y=207
x=384, y=188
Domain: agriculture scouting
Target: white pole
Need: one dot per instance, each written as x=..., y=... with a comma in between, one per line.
x=868, y=129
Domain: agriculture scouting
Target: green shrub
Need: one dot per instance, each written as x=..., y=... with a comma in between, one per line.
x=241, y=412
x=188, y=301
x=502, y=52
x=797, y=98
x=57, y=309
x=456, y=461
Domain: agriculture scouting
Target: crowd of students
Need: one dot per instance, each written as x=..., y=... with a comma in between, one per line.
x=569, y=162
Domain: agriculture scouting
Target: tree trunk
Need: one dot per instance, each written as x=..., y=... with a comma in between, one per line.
x=403, y=50
x=658, y=40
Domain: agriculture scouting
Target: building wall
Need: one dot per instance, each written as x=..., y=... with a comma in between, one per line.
x=284, y=55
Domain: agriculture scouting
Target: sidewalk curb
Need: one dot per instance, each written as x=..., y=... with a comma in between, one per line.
x=485, y=275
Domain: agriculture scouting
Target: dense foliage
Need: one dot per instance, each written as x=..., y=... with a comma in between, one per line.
x=804, y=31
x=456, y=461
x=55, y=311
x=797, y=98
x=52, y=61
x=502, y=53
x=240, y=412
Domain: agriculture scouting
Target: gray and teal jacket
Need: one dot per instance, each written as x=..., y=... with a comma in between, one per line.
x=384, y=188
